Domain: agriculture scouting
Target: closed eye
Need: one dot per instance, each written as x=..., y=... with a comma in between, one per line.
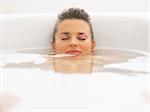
x=82, y=39
x=82, y=36
x=64, y=38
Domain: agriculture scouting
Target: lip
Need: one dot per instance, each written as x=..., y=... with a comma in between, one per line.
x=73, y=52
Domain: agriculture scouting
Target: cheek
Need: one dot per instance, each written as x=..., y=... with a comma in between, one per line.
x=86, y=46
x=60, y=46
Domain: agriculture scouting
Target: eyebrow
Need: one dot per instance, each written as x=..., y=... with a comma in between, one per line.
x=66, y=33
x=81, y=33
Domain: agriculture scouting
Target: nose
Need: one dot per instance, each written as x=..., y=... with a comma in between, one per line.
x=73, y=42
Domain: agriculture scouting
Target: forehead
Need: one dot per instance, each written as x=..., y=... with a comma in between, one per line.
x=73, y=25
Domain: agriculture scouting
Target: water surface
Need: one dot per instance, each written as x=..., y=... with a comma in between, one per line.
x=103, y=60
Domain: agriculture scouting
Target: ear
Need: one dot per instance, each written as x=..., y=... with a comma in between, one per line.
x=53, y=46
x=93, y=45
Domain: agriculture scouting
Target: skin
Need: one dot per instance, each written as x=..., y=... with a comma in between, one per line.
x=73, y=36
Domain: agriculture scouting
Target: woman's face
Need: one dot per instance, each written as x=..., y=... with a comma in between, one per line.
x=73, y=36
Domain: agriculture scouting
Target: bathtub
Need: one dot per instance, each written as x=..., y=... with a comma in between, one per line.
x=117, y=30
x=29, y=85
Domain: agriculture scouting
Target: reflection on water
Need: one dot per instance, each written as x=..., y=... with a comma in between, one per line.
x=82, y=64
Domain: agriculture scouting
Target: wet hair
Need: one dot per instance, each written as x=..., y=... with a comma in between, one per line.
x=73, y=13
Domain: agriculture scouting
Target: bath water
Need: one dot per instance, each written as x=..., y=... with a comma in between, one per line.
x=109, y=80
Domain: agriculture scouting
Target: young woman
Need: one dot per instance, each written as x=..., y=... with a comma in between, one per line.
x=73, y=33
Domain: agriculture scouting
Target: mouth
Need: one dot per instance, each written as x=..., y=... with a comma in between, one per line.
x=75, y=52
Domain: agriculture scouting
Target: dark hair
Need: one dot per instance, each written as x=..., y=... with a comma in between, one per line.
x=73, y=13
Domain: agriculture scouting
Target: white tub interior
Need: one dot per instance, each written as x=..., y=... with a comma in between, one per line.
x=117, y=30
